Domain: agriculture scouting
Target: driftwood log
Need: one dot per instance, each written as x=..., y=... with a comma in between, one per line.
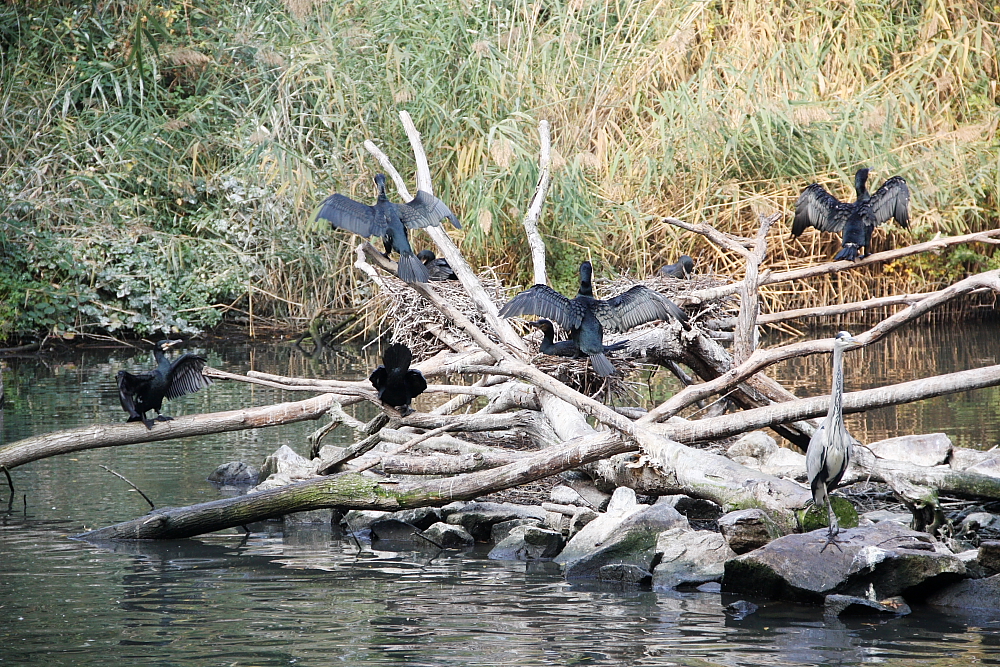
x=648, y=450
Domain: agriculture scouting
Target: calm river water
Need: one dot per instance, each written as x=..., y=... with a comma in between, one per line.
x=305, y=596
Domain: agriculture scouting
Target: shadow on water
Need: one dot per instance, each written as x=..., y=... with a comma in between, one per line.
x=304, y=594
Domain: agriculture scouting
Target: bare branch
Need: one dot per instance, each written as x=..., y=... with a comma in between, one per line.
x=535, y=209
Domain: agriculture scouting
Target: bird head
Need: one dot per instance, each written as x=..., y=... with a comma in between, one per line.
x=544, y=325
x=860, y=179
x=845, y=340
x=379, y=184
x=426, y=256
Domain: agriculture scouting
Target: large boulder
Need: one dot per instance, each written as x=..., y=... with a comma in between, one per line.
x=969, y=594
x=746, y=530
x=694, y=509
x=874, y=562
x=689, y=557
x=931, y=449
x=234, y=473
x=286, y=463
x=528, y=543
x=626, y=534
x=479, y=518
x=448, y=536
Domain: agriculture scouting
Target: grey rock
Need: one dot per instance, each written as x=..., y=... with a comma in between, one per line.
x=284, y=461
x=448, y=536
x=969, y=594
x=421, y=517
x=852, y=605
x=756, y=444
x=989, y=555
x=626, y=534
x=501, y=530
x=579, y=520
x=978, y=520
x=878, y=516
x=689, y=557
x=359, y=520
x=393, y=530
x=585, y=487
x=565, y=495
x=962, y=458
x=990, y=467
x=624, y=573
x=528, y=543
x=740, y=609
x=710, y=587
x=697, y=509
x=234, y=473
x=785, y=463
x=557, y=521
x=746, y=530
x=973, y=568
x=931, y=449
x=880, y=561
x=478, y=518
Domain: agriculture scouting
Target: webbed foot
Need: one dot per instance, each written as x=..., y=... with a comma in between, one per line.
x=163, y=418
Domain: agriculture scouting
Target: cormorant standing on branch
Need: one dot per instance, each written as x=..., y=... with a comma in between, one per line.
x=437, y=267
x=390, y=221
x=396, y=382
x=565, y=348
x=585, y=318
x=144, y=391
x=682, y=268
x=818, y=208
x=829, y=451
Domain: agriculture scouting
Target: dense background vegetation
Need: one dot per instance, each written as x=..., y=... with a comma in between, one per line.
x=160, y=159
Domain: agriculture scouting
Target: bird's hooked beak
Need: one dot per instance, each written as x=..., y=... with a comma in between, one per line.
x=167, y=344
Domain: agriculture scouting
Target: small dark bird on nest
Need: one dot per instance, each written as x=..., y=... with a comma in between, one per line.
x=565, y=348
x=682, y=268
x=818, y=208
x=390, y=221
x=144, y=391
x=396, y=382
x=437, y=267
x=585, y=318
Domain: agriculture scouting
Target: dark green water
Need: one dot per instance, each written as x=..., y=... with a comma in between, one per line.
x=305, y=596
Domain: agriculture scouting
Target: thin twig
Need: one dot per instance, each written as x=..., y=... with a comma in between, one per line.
x=151, y=505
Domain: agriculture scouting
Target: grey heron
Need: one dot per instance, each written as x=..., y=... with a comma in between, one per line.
x=829, y=451
x=855, y=221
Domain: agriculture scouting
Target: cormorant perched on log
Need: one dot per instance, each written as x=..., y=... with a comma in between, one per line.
x=396, y=382
x=437, y=267
x=682, y=268
x=585, y=318
x=565, y=348
x=818, y=208
x=390, y=221
x=144, y=391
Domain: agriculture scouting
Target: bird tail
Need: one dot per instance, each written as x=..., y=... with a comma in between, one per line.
x=614, y=347
x=601, y=365
x=411, y=269
x=848, y=252
x=397, y=356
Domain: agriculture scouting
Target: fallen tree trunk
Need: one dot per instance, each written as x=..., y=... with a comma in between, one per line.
x=114, y=435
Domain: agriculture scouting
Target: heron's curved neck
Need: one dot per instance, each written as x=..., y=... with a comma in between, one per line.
x=836, y=412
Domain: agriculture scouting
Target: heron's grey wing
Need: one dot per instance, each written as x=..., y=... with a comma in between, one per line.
x=129, y=384
x=892, y=200
x=345, y=213
x=816, y=458
x=818, y=208
x=636, y=306
x=185, y=375
x=425, y=210
x=543, y=301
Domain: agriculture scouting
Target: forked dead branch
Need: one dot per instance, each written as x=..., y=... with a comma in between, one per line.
x=525, y=399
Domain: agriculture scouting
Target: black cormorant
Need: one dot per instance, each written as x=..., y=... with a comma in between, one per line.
x=144, y=391
x=437, y=267
x=682, y=268
x=818, y=208
x=565, y=348
x=396, y=382
x=585, y=318
x=390, y=221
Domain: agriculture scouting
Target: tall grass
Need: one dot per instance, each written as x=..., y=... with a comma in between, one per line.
x=160, y=159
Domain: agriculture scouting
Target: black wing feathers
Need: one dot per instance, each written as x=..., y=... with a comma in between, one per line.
x=345, y=213
x=543, y=301
x=818, y=208
x=185, y=375
x=892, y=200
x=130, y=384
x=425, y=210
x=636, y=306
